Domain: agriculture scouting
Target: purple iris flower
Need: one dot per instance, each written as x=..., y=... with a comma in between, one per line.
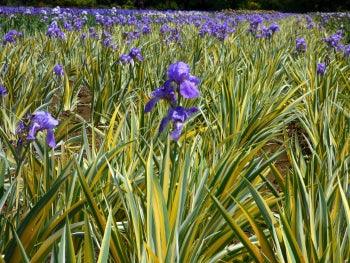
x=54, y=31
x=68, y=26
x=11, y=36
x=40, y=121
x=178, y=117
x=255, y=21
x=180, y=82
x=93, y=33
x=83, y=36
x=3, y=91
x=265, y=33
x=146, y=29
x=333, y=40
x=164, y=29
x=135, y=53
x=166, y=92
x=125, y=59
x=321, y=68
x=107, y=41
x=300, y=44
x=179, y=72
x=58, y=70
x=274, y=28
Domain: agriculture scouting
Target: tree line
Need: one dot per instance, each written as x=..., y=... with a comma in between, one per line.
x=282, y=5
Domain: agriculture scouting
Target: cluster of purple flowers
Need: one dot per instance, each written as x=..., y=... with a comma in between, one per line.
x=11, y=36
x=268, y=32
x=134, y=54
x=131, y=36
x=68, y=26
x=300, y=44
x=346, y=50
x=55, y=31
x=107, y=40
x=145, y=29
x=39, y=121
x=254, y=22
x=261, y=32
x=169, y=34
x=180, y=83
x=333, y=41
x=220, y=31
x=93, y=33
x=309, y=22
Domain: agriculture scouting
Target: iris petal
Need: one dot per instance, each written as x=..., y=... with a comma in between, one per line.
x=150, y=105
x=188, y=89
x=177, y=129
x=164, y=123
x=50, y=138
x=33, y=129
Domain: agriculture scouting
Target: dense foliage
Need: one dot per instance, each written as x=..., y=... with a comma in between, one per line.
x=283, y=5
x=144, y=136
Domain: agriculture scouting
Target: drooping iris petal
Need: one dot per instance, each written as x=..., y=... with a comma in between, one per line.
x=177, y=129
x=189, y=89
x=178, y=114
x=139, y=57
x=150, y=105
x=50, y=138
x=33, y=129
x=165, y=121
x=191, y=111
x=166, y=92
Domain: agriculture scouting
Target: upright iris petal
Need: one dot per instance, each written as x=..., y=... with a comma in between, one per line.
x=178, y=72
x=274, y=28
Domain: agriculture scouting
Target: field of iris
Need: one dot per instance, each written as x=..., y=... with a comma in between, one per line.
x=147, y=136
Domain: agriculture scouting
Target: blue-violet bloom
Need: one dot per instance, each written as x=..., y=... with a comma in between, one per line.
x=58, y=70
x=40, y=121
